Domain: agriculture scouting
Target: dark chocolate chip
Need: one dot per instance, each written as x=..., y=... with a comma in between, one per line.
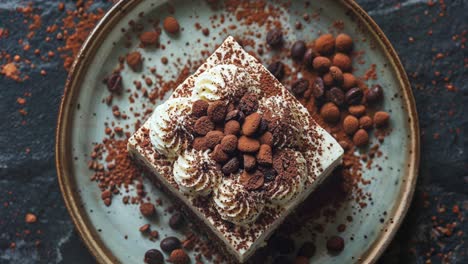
x=374, y=94
x=230, y=107
x=263, y=127
x=154, y=256
x=298, y=50
x=114, y=83
x=336, y=96
x=234, y=115
x=231, y=166
x=277, y=69
x=248, y=104
x=241, y=117
x=335, y=244
x=309, y=57
x=300, y=86
x=169, y=244
x=307, y=249
x=176, y=221
x=318, y=88
x=252, y=181
x=274, y=38
x=269, y=173
x=354, y=96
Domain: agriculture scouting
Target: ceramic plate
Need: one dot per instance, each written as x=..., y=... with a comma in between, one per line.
x=83, y=113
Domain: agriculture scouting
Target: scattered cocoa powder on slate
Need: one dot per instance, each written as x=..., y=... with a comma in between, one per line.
x=76, y=27
x=30, y=218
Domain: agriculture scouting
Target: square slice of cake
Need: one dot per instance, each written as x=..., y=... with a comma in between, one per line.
x=235, y=150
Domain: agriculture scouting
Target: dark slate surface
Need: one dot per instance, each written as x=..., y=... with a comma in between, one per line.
x=28, y=180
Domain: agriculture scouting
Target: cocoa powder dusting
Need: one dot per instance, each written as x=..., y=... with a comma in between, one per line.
x=114, y=171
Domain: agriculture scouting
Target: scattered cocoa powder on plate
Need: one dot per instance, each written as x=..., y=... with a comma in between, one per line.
x=30, y=218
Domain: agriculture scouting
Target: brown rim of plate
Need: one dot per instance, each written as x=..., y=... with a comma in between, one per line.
x=63, y=158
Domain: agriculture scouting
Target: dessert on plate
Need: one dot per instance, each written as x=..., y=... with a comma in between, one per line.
x=235, y=150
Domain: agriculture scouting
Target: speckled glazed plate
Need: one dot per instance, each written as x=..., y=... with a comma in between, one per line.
x=83, y=115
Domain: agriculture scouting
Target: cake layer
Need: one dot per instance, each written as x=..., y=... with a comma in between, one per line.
x=168, y=151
